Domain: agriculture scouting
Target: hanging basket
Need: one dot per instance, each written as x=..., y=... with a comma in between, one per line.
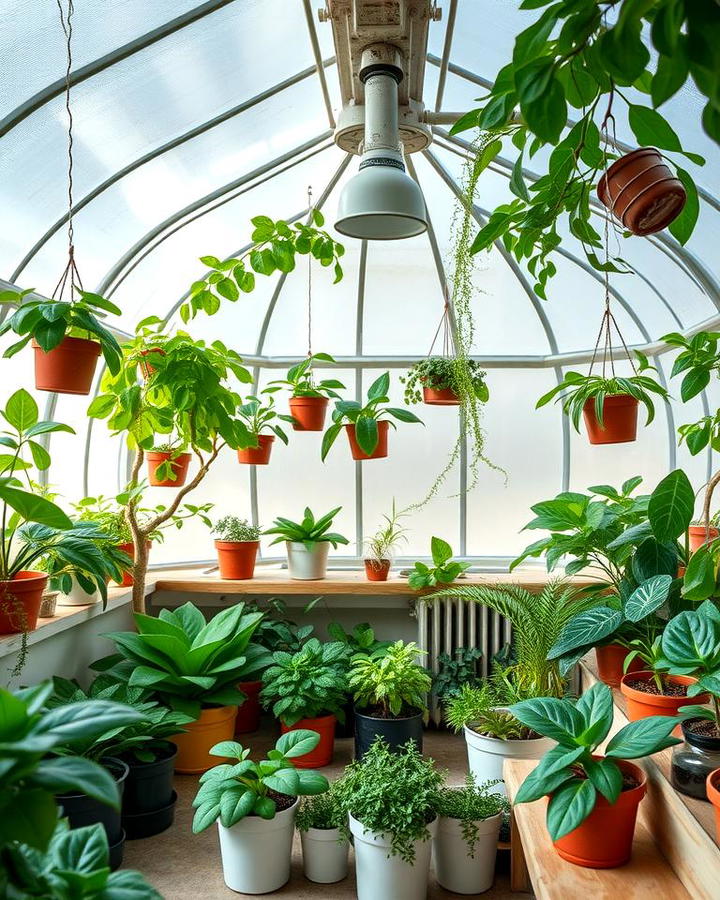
x=440, y=397
x=309, y=413
x=260, y=455
x=178, y=463
x=620, y=415
x=68, y=368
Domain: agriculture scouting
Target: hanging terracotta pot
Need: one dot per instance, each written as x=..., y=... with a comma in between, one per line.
x=698, y=535
x=322, y=755
x=380, y=451
x=713, y=795
x=308, y=412
x=641, y=704
x=620, y=413
x=440, y=397
x=610, y=661
x=236, y=559
x=67, y=369
x=147, y=368
x=129, y=548
x=260, y=455
x=377, y=569
x=248, y=714
x=20, y=600
x=179, y=465
x=642, y=192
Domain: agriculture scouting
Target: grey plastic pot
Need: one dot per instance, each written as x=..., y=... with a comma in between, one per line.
x=325, y=855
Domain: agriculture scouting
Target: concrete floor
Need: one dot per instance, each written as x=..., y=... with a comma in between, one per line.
x=184, y=866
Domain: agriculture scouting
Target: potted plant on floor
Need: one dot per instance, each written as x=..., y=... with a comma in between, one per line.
x=389, y=692
x=168, y=465
x=261, y=420
x=465, y=845
x=455, y=671
x=308, y=543
x=237, y=545
x=432, y=381
x=67, y=338
x=391, y=799
x=309, y=398
x=381, y=547
x=324, y=847
x=366, y=428
x=255, y=805
x=197, y=672
x=443, y=571
x=593, y=799
x=306, y=690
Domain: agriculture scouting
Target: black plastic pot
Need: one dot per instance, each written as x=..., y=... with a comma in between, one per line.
x=395, y=732
x=693, y=761
x=116, y=850
x=149, y=786
x=346, y=729
x=146, y=824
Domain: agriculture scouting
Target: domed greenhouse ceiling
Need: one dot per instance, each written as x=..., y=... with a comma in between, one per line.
x=190, y=119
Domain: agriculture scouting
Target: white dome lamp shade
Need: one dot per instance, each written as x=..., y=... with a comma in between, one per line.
x=381, y=202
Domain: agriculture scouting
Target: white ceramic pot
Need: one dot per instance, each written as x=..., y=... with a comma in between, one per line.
x=383, y=877
x=455, y=869
x=78, y=596
x=256, y=852
x=325, y=855
x=307, y=565
x=486, y=755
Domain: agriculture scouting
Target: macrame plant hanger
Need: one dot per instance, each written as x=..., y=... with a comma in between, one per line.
x=444, y=326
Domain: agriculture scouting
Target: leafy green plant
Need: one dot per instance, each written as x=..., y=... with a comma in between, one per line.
x=323, y=811
x=394, y=794
x=470, y=804
x=300, y=379
x=276, y=630
x=443, y=571
x=48, y=322
x=361, y=641
x=439, y=373
x=569, y=773
x=186, y=662
x=309, y=683
x=259, y=417
x=229, y=792
x=309, y=532
x=483, y=708
x=365, y=417
x=456, y=670
x=390, y=685
x=233, y=529
x=384, y=542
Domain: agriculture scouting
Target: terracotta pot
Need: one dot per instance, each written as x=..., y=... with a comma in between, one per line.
x=147, y=368
x=604, y=840
x=641, y=705
x=248, y=714
x=713, y=795
x=377, y=569
x=641, y=191
x=440, y=397
x=215, y=724
x=697, y=536
x=610, y=660
x=260, y=455
x=237, y=558
x=322, y=755
x=127, y=579
x=380, y=452
x=69, y=368
x=20, y=600
x=309, y=413
x=179, y=466
x=620, y=413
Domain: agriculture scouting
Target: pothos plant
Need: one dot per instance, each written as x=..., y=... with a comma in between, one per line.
x=588, y=56
x=301, y=381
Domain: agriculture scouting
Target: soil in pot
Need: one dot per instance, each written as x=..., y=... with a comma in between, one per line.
x=129, y=548
x=377, y=569
x=713, y=795
x=260, y=455
x=620, y=414
x=248, y=714
x=20, y=601
x=82, y=810
x=236, y=559
x=215, y=724
x=610, y=661
x=149, y=785
x=396, y=732
x=309, y=413
x=440, y=397
x=696, y=758
x=699, y=535
x=179, y=465
x=322, y=755
x=67, y=369
x=645, y=699
x=380, y=451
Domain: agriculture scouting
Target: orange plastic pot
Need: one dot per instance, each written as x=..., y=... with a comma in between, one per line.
x=67, y=369
x=308, y=412
x=641, y=705
x=20, y=600
x=642, y=192
x=148, y=368
x=440, y=397
x=377, y=569
x=214, y=725
x=380, y=452
x=248, y=714
x=620, y=413
x=698, y=535
x=179, y=464
x=260, y=455
x=127, y=579
x=604, y=840
x=610, y=661
x=322, y=755
x=237, y=558
x=713, y=795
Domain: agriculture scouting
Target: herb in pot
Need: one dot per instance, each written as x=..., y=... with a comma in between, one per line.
x=390, y=685
x=439, y=373
x=443, y=571
x=322, y=811
x=236, y=530
x=470, y=804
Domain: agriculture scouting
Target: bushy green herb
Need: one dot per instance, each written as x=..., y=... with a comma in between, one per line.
x=439, y=373
x=233, y=529
x=323, y=811
x=443, y=571
x=393, y=683
x=308, y=532
x=470, y=804
x=455, y=671
x=483, y=708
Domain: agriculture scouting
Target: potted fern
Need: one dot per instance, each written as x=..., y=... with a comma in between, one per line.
x=324, y=847
x=308, y=543
x=379, y=549
x=237, y=545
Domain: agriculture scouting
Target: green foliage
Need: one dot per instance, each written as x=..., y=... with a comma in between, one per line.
x=361, y=641
x=259, y=417
x=301, y=382
x=443, y=571
x=393, y=794
x=697, y=362
x=393, y=682
x=309, y=683
x=276, y=631
x=308, y=532
x=471, y=804
x=439, y=373
x=231, y=528
x=365, y=417
x=186, y=662
x=483, y=708
x=455, y=671
x=229, y=792
x=384, y=542
x=275, y=245
x=48, y=322
x=323, y=811
x=579, y=727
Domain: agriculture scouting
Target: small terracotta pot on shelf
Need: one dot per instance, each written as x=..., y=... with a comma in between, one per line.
x=260, y=455
x=620, y=414
x=236, y=559
x=68, y=368
x=20, y=601
x=440, y=397
x=179, y=464
x=380, y=451
x=377, y=569
x=610, y=662
x=641, y=704
x=309, y=413
x=698, y=535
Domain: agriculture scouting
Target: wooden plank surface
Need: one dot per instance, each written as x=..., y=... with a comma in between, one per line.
x=647, y=876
